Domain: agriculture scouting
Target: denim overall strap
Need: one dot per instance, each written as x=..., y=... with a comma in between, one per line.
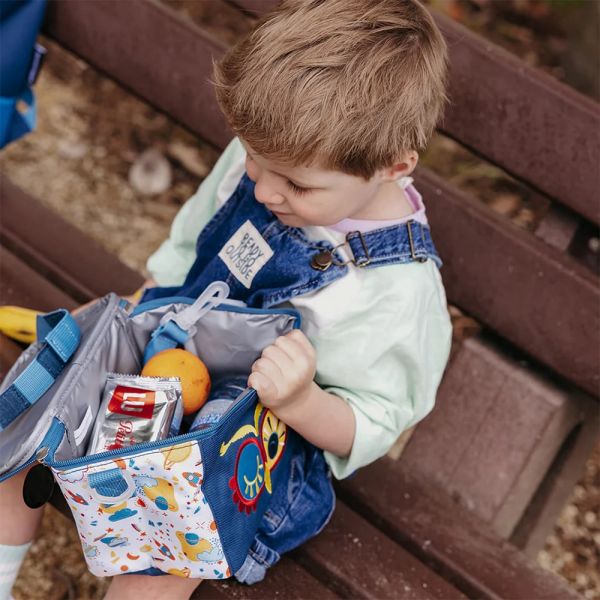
x=403, y=243
x=265, y=262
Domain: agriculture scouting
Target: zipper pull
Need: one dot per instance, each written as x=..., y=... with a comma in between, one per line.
x=41, y=455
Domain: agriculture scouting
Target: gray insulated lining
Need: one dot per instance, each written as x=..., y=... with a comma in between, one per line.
x=228, y=342
x=21, y=438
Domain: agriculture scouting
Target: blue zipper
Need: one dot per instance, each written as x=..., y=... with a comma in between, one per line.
x=48, y=446
x=135, y=449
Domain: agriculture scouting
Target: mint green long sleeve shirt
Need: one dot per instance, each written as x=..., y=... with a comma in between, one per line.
x=382, y=336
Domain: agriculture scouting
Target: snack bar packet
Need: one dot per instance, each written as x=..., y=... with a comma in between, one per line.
x=136, y=409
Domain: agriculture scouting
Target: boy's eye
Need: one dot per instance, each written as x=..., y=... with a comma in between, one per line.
x=298, y=190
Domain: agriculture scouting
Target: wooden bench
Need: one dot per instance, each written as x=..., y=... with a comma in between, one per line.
x=504, y=444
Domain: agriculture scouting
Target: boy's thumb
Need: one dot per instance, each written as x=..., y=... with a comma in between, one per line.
x=263, y=385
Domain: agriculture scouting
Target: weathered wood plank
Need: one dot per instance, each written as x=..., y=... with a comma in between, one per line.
x=358, y=561
x=9, y=352
x=58, y=250
x=538, y=298
x=523, y=120
x=287, y=579
x=447, y=536
x=22, y=286
x=512, y=424
x=121, y=39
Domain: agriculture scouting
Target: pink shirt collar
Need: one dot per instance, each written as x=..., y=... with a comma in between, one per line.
x=415, y=199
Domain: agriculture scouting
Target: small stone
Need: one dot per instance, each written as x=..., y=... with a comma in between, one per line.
x=505, y=204
x=594, y=244
x=524, y=218
x=151, y=173
x=72, y=149
x=570, y=511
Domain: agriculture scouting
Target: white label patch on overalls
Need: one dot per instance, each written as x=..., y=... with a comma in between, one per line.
x=246, y=253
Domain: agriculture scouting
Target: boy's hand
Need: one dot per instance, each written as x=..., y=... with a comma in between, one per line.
x=285, y=371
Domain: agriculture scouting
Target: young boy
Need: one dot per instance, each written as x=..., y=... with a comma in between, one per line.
x=311, y=206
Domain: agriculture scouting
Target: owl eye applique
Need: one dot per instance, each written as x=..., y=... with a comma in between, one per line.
x=256, y=457
x=273, y=433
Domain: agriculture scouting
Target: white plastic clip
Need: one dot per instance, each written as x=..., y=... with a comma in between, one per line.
x=212, y=296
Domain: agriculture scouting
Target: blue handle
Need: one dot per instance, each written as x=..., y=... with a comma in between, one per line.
x=60, y=336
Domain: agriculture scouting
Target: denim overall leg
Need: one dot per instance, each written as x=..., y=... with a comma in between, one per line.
x=266, y=263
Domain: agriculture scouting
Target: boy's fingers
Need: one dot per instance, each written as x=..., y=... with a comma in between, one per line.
x=299, y=338
x=290, y=346
x=268, y=367
x=264, y=387
x=278, y=356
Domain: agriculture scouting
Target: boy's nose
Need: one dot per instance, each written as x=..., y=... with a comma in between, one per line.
x=266, y=194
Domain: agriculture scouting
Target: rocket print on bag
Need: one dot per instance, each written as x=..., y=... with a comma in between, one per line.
x=159, y=519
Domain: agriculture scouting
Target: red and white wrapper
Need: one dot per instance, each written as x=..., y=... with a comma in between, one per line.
x=136, y=409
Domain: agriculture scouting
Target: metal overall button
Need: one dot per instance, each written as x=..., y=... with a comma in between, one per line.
x=323, y=259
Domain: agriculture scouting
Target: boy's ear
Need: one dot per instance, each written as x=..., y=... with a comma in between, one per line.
x=405, y=166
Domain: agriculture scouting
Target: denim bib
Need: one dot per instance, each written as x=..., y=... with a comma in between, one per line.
x=265, y=262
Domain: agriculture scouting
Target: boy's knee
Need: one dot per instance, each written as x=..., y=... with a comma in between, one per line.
x=18, y=522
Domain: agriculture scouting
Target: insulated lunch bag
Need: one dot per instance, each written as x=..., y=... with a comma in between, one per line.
x=188, y=505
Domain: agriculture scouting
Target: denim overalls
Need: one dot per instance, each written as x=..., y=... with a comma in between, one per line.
x=266, y=263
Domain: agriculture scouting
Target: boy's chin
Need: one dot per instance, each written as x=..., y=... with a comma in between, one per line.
x=291, y=220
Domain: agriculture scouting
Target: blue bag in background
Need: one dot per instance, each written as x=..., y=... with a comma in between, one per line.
x=20, y=59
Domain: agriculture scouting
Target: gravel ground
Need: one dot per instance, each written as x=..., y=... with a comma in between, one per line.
x=78, y=162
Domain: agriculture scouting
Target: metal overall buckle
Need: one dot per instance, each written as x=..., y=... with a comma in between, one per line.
x=412, y=243
x=325, y=258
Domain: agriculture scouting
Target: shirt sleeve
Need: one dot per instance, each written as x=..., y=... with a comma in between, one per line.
x=170, y=264
x=387, y=362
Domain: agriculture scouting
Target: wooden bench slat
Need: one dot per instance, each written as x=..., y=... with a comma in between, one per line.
x=171, y=72
x=523, y=120
x=512, y=424
x=539, y=299
x=286, y=579
x=22, y=286
x=9, y=352
x=64, y=254
x=447, y=536
x=359, y=562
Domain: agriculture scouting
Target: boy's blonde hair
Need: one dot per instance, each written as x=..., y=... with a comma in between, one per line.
x=348, y=85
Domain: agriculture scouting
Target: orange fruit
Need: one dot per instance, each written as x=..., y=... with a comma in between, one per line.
x=192, y=372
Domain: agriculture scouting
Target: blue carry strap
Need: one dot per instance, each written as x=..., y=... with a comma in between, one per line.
x=176, y=328
x=60, y=336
